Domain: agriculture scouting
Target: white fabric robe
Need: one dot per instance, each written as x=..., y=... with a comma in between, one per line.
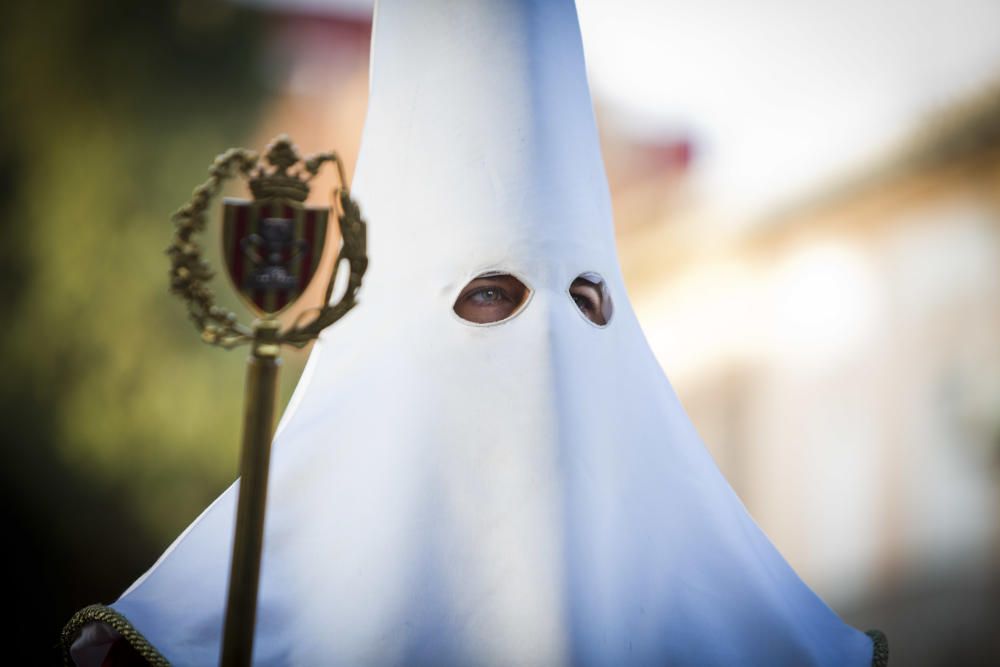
x=528, y=493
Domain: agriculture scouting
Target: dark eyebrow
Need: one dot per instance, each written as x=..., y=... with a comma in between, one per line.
x=583, y=282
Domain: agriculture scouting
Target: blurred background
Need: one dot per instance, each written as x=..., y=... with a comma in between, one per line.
x=807, y=198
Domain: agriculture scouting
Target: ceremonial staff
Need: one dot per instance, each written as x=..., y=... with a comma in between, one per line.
x=272, y=246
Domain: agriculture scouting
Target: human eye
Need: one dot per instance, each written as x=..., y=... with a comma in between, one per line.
x=491, y=298
x=584, y=302
x=591, y=297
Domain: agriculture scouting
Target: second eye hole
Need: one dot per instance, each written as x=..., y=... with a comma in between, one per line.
x=491, y=297
x=590, y=295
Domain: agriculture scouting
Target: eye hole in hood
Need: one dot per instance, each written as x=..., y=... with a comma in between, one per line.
x=590, y=294
x=491, y=298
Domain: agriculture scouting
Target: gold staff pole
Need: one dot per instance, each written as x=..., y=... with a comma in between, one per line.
x=272, y=246
x=258, y=428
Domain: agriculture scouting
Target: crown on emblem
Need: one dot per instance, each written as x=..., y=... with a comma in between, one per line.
x=275, y=182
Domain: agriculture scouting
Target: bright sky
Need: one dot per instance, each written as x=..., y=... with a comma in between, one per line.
x=780, y=97
x=783, y=96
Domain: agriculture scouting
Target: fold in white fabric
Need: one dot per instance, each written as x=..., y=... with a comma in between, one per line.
x=529, y=493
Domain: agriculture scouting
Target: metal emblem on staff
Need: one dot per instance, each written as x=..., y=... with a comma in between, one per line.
x=272, y=246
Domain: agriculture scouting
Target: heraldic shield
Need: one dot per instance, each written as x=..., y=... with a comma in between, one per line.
x=272, y=249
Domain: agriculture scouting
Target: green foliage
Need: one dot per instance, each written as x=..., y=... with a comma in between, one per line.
x=120, y=424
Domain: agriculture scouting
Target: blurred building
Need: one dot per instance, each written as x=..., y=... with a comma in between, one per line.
x=841, y=360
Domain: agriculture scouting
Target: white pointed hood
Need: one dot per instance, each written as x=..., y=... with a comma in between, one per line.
x=524, y=493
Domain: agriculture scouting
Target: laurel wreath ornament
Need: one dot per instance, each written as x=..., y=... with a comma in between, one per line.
x=190, y=273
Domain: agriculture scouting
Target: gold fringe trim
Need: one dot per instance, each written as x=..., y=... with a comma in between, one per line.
x=102, y=614
x=107, y=615
x=880, y=648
